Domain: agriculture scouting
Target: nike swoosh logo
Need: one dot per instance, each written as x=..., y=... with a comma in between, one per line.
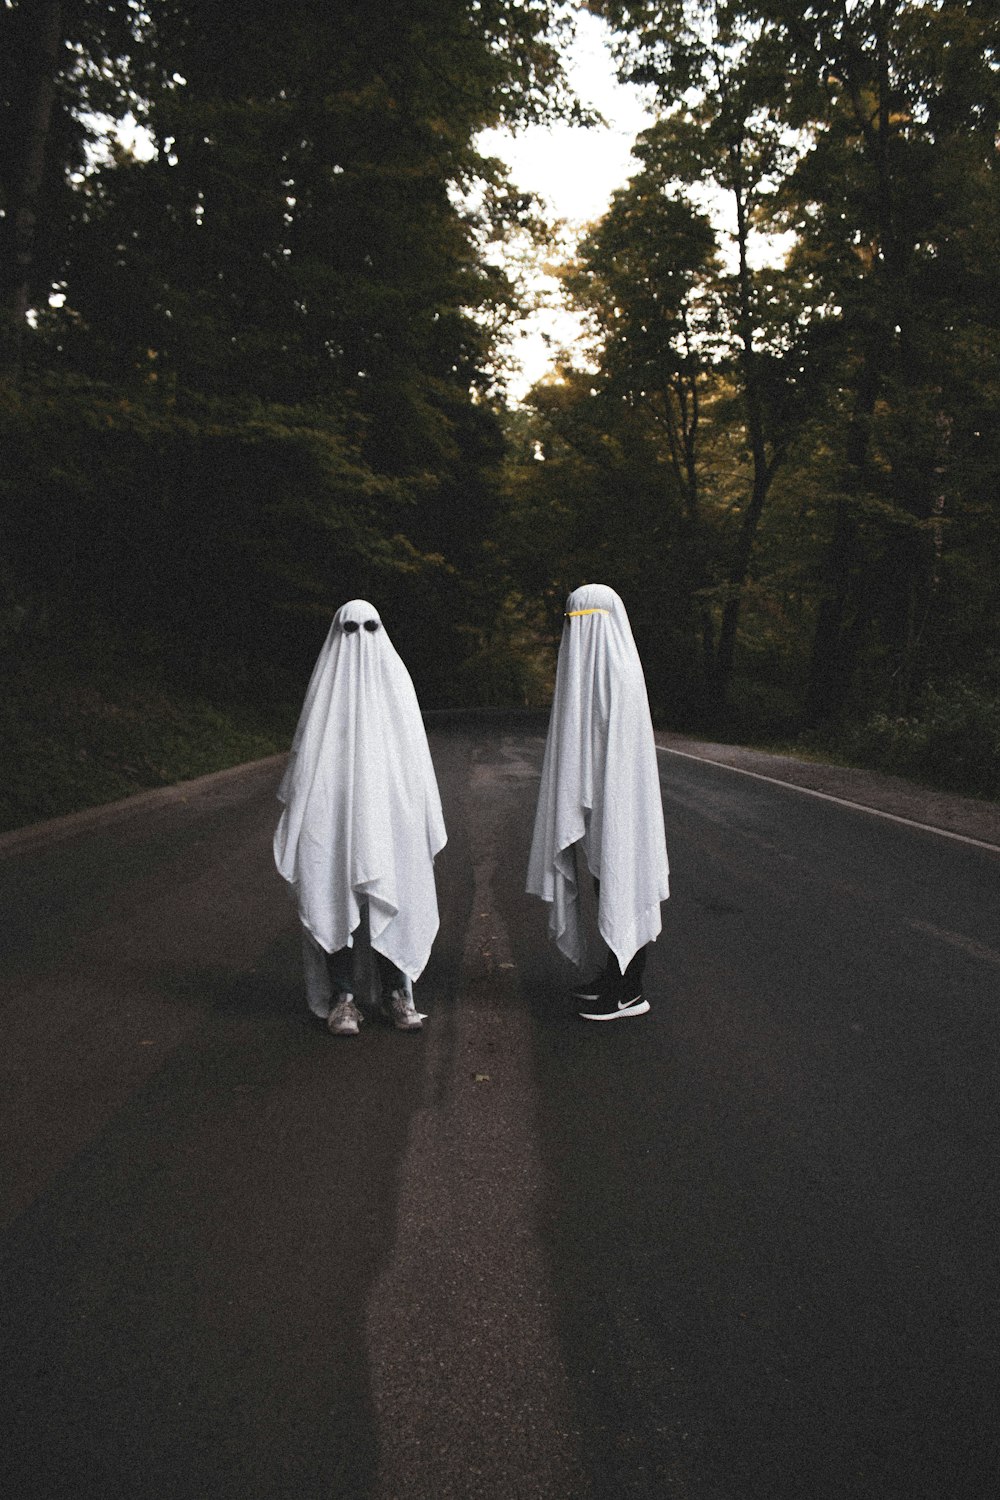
x=624, y=1004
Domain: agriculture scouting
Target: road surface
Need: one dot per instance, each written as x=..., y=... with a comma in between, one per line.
x=743, y=1248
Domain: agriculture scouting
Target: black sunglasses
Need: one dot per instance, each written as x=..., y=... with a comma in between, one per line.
x=350, y=626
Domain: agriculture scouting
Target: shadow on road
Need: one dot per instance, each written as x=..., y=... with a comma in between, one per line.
x=185, y=1302
x=771, y=1247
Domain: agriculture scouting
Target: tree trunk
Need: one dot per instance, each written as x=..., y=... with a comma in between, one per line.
x=832, y=659
x=829, y=669
x=835, y=647
x=726, y=649
x=763, y=469
x=44, y=63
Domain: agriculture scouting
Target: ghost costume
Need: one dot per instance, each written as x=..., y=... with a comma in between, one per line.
x=362, y=819
x=600, y=786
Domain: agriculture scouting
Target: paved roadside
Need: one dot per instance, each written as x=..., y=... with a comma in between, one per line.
x=968, y=817
x=212, y=786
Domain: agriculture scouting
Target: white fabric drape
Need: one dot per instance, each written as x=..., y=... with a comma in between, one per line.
x=362, y=814
x=600, y=785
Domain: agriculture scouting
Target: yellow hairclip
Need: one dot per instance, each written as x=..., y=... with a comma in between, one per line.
x=571, y=612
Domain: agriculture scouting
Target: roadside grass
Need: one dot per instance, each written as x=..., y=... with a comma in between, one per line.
x=856, y=751
x=75, y=736
x=949, y=743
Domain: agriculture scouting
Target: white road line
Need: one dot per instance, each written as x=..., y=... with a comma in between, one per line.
x=955, y=940
x=876, y=812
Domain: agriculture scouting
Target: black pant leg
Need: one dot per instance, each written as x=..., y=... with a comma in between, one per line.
x=391, y=977
x=634, y=970
x=340, y=966
x=636, y=967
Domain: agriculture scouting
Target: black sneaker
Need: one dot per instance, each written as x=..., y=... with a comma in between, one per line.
x=615, y=1004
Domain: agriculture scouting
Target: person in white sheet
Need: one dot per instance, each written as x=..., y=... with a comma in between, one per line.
x=600, y=794
x=361, y=824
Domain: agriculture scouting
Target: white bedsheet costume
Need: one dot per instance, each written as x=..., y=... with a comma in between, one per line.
x=362, y=814
x=600, y=785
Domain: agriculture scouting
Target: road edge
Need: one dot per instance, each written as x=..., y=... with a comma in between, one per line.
x=970, y=819
x=54, y=830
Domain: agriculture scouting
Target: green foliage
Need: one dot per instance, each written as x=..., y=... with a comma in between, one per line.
x=265, y=384
x=855, y=388
x=951, y=740
x=90, y=714
x=298, y=232
x=99, y=66
x=591, y=501
x=511, y=665
x=229, y=533
x=696, y=333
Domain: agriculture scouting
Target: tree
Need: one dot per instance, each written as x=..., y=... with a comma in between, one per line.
x=307, y=248
x=894, y=206
x=590, y=497
x=866, y=129
x=718, y=135
x=646, y=275
x=63, y=63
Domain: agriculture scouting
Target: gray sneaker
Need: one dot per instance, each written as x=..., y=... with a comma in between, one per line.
x=345, y=1018
x=403, y=1012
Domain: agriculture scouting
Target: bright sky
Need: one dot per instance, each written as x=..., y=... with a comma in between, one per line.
x=574, y=171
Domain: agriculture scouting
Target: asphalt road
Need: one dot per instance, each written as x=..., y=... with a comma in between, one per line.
x=743, y=1248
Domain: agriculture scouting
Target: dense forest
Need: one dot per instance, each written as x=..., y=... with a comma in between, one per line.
x=252, y=364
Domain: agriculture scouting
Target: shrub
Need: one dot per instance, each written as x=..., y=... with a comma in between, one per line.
x=952, y=740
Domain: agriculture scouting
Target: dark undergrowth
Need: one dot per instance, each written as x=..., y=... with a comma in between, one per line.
x=949, y=742
x=88, y=719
